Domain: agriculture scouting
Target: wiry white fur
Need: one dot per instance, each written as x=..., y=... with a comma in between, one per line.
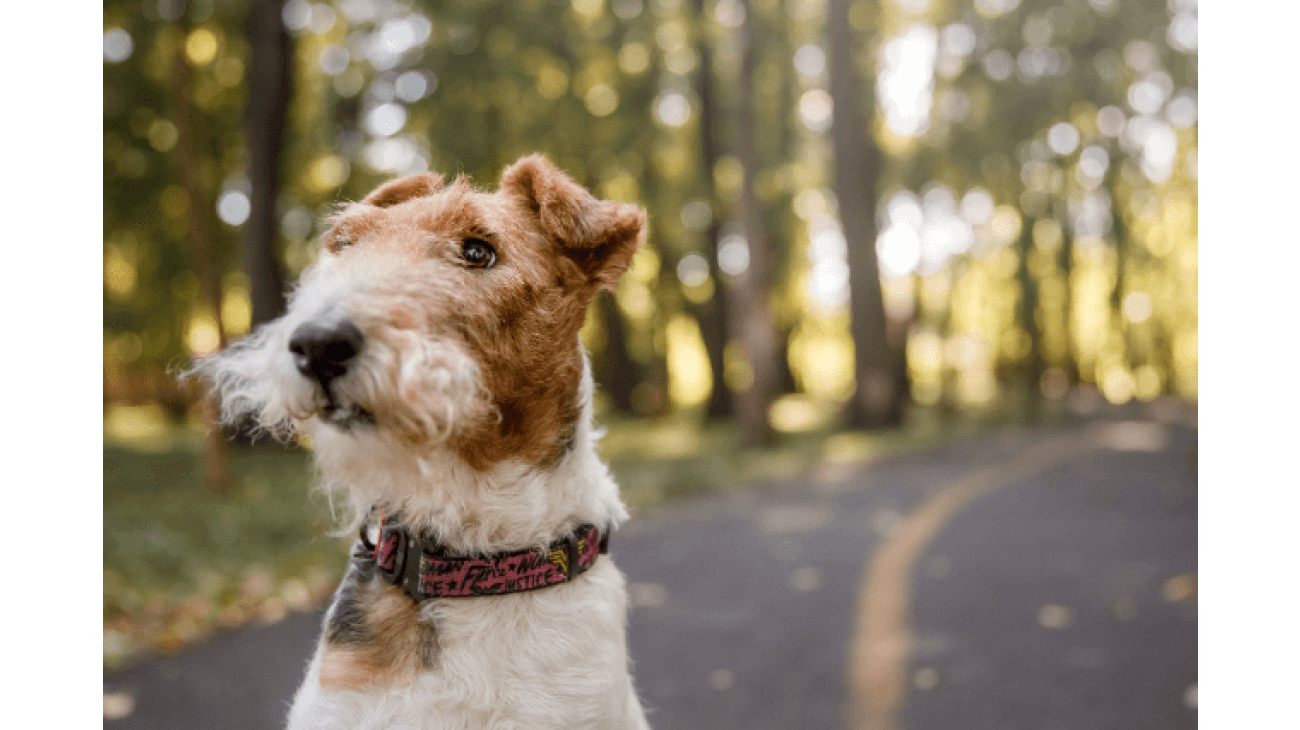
x=550, y=658
x=512, y=506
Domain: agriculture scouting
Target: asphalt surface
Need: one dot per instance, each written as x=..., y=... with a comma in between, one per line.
x=1065, y=600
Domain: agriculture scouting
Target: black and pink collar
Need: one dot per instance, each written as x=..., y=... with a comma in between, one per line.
x=424, y=568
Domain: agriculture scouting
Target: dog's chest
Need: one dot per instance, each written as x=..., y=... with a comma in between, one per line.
x=549, y=658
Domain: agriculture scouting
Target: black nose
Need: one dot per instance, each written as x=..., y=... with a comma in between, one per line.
x=324, y=352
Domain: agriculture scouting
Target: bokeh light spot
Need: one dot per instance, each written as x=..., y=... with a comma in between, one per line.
x=899, y=251
x=119, y=274
x=697, y=215
x=689, y=376
x=601, y=100
x=693, y=270
x=810, y=60
x=634, y=58
x=1183, y=33
x=296, y=14
x=626, y=9
x=1063, y=138
x=906, y=80
x=201, y=47
x=1110, y=121
x=328, y=173
x=998, y=65
x=552, y=82
x=1137, y=307
x=673, y=110
x=233, y=207
x=976, y=206
x=386, y=120
x=162, y=135
x=1181, y=111
x=1117, y=385
x=730, y=13
x=413, y=86
x=733, y=254
x=1145, y=97
x=117, y=45
x=297, y=224
x=202, y=335
x=815, y=108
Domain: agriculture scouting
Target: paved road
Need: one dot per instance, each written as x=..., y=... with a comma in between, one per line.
x=1062, y=598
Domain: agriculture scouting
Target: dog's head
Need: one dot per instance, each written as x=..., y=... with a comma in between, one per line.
x=440, y=316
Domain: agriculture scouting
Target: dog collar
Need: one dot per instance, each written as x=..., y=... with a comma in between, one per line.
x=424, y=569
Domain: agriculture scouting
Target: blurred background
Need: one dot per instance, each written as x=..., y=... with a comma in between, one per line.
x=1025, y=171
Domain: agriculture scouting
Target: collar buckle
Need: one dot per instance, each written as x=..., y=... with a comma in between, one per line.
x=391, y=552
x=571, y=567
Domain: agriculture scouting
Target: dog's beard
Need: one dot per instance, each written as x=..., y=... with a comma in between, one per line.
x=418, y=390
x=254, y=379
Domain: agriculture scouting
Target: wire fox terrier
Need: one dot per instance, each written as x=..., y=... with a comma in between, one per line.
x=432, y=356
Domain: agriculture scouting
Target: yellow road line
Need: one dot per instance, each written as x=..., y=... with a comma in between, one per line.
x=882, y=637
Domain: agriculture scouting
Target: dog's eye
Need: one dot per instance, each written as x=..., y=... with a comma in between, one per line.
x=477, y=253
x=340, y=243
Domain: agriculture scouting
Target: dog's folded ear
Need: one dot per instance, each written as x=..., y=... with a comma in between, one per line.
x=599, y=235
x=403, y=189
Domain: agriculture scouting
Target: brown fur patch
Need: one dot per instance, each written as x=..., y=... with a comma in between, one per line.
x=387, y=646
x=600, y=235
x=556, y=246
x=403, y=189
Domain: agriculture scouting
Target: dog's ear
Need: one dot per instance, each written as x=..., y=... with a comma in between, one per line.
x=403, y=189
x=599, y=235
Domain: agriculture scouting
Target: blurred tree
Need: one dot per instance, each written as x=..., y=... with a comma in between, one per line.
x=200, y=235
x=880, y=391
x=1081, y=256
x=616, y=371
x=1027, y=313
x=751, y=311
x=268, y=81
x=713, y=315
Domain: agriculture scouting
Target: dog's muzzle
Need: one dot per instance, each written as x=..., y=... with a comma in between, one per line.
x=324, y=354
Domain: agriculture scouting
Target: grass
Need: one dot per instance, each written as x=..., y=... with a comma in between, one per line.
x=181, y=563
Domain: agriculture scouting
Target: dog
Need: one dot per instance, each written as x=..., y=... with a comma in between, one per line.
x=432, y=356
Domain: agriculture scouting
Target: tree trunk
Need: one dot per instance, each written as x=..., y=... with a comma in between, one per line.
x=1066, y=262
x=785, y=380
x=880, y=392
x=620, y=373
x=264, y=123
x=653, y=399
x=750, y=312
x=1120, y=231
x=1027, y=313
x=199, y=233
x=711, y=315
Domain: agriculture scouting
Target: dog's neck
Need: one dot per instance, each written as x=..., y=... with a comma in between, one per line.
x=509, y=506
